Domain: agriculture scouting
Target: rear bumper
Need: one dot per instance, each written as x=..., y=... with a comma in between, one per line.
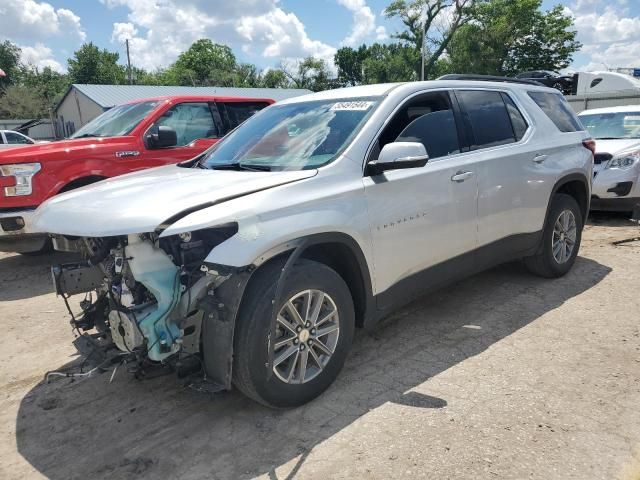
x=15, y=232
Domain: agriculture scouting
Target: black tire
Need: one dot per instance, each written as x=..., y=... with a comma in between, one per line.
x=543, y=263
x=250, y=374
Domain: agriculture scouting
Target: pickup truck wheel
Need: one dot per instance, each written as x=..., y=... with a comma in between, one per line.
x=560, y=239
x=314, y=328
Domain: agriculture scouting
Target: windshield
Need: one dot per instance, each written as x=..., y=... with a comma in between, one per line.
x=609, y=126
x=117, y=121
x=296, y=136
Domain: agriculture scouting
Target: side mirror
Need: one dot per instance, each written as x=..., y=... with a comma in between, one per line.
x=162, y=137
x=399, y=155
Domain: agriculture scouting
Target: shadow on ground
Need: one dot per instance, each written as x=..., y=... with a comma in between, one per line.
x=159, y=429
x=610, y=219
x=18, y=270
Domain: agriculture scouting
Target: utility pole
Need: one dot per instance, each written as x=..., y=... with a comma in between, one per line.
x=128, y=63
x=424, y=33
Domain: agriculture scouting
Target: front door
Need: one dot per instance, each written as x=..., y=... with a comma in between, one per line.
x=423, y=219
x=195, y=129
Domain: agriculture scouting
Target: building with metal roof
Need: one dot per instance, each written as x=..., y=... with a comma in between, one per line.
x=82, y=103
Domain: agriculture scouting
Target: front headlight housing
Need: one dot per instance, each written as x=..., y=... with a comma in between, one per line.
x=23, y=173
x=625, y=160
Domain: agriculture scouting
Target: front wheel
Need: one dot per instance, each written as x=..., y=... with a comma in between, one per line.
x=560, y=239
x=314, y=328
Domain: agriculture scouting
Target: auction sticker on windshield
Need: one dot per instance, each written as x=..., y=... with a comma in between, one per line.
x=352, y=106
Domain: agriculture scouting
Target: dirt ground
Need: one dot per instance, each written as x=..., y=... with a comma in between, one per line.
x=503, y=375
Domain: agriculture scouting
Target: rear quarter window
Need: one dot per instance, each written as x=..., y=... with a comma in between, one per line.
x=558, y=110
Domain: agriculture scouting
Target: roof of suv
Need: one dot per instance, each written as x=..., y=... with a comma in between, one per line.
x=381, y=89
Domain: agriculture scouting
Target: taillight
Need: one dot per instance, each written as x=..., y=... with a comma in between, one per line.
x=590, y=144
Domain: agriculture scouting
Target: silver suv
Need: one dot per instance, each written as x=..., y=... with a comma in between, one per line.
x=257, y=260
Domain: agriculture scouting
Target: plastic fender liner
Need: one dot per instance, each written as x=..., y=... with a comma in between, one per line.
x=220, y=309
x=220, y=313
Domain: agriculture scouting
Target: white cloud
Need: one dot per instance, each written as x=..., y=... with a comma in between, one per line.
x=29, y=20
x=364, y=22
x=610, y=37
x=281, y=34
x=159, y=30
x=40, y=56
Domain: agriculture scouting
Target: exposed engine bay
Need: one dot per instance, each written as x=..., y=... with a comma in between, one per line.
x=145, y=296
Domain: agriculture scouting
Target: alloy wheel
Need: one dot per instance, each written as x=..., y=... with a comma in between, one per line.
x=564, y=236
x=307, y=331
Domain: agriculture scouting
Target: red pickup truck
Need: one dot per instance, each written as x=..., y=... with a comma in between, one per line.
x=133, y=136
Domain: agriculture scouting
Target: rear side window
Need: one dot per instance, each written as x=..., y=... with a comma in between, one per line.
x=517, y=120
x=16, y=139
x=488, y=118
x=557, y=109
x=238, y=112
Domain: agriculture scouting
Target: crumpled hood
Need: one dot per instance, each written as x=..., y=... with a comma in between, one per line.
x=139, y=202
x=617, y=146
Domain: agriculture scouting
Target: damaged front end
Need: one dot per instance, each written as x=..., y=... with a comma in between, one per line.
x=155, y=299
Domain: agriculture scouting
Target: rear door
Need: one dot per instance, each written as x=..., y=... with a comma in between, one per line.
x=196, y=130
x=509, y=180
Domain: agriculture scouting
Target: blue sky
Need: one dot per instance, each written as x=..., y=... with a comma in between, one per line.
x=265, y=32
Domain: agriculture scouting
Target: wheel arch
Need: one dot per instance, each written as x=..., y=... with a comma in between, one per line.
x=80, y=182
x=577, y=186
x=336, y=250
x=340, y=252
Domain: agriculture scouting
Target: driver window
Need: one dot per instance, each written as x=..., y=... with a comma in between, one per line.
x=191, y=121
x=427, y=119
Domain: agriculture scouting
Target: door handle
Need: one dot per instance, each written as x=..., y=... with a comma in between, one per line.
x=540, y=158
x=460, y=176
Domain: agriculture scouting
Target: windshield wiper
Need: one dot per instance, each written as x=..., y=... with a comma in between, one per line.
x=89, y=135
x=241, y=166
x=610, y=138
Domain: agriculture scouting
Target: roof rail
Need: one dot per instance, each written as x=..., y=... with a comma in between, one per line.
x=488, y=78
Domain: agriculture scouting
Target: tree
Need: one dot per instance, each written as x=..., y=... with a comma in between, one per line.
x=205, y=63
x=510, y=36
x=274, y=78
x=92, y=65
x=378, y=63
x=310, y=73
x=390, y=63
x=9, y=62
x=47, y=85
x=429, y=24
x=21, y=102
x=349, y=62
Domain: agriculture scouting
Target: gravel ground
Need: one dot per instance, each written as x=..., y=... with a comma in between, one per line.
x=503, y=375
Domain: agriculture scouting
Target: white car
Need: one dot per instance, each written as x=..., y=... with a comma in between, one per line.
x=11, y=139
x=318, y=215
x=616, y=181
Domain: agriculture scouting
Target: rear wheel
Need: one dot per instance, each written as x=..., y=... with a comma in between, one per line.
x=314, y=329
x=560, y=239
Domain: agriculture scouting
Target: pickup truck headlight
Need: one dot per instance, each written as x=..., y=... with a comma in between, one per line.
x=624, y=161
x=23, y=173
